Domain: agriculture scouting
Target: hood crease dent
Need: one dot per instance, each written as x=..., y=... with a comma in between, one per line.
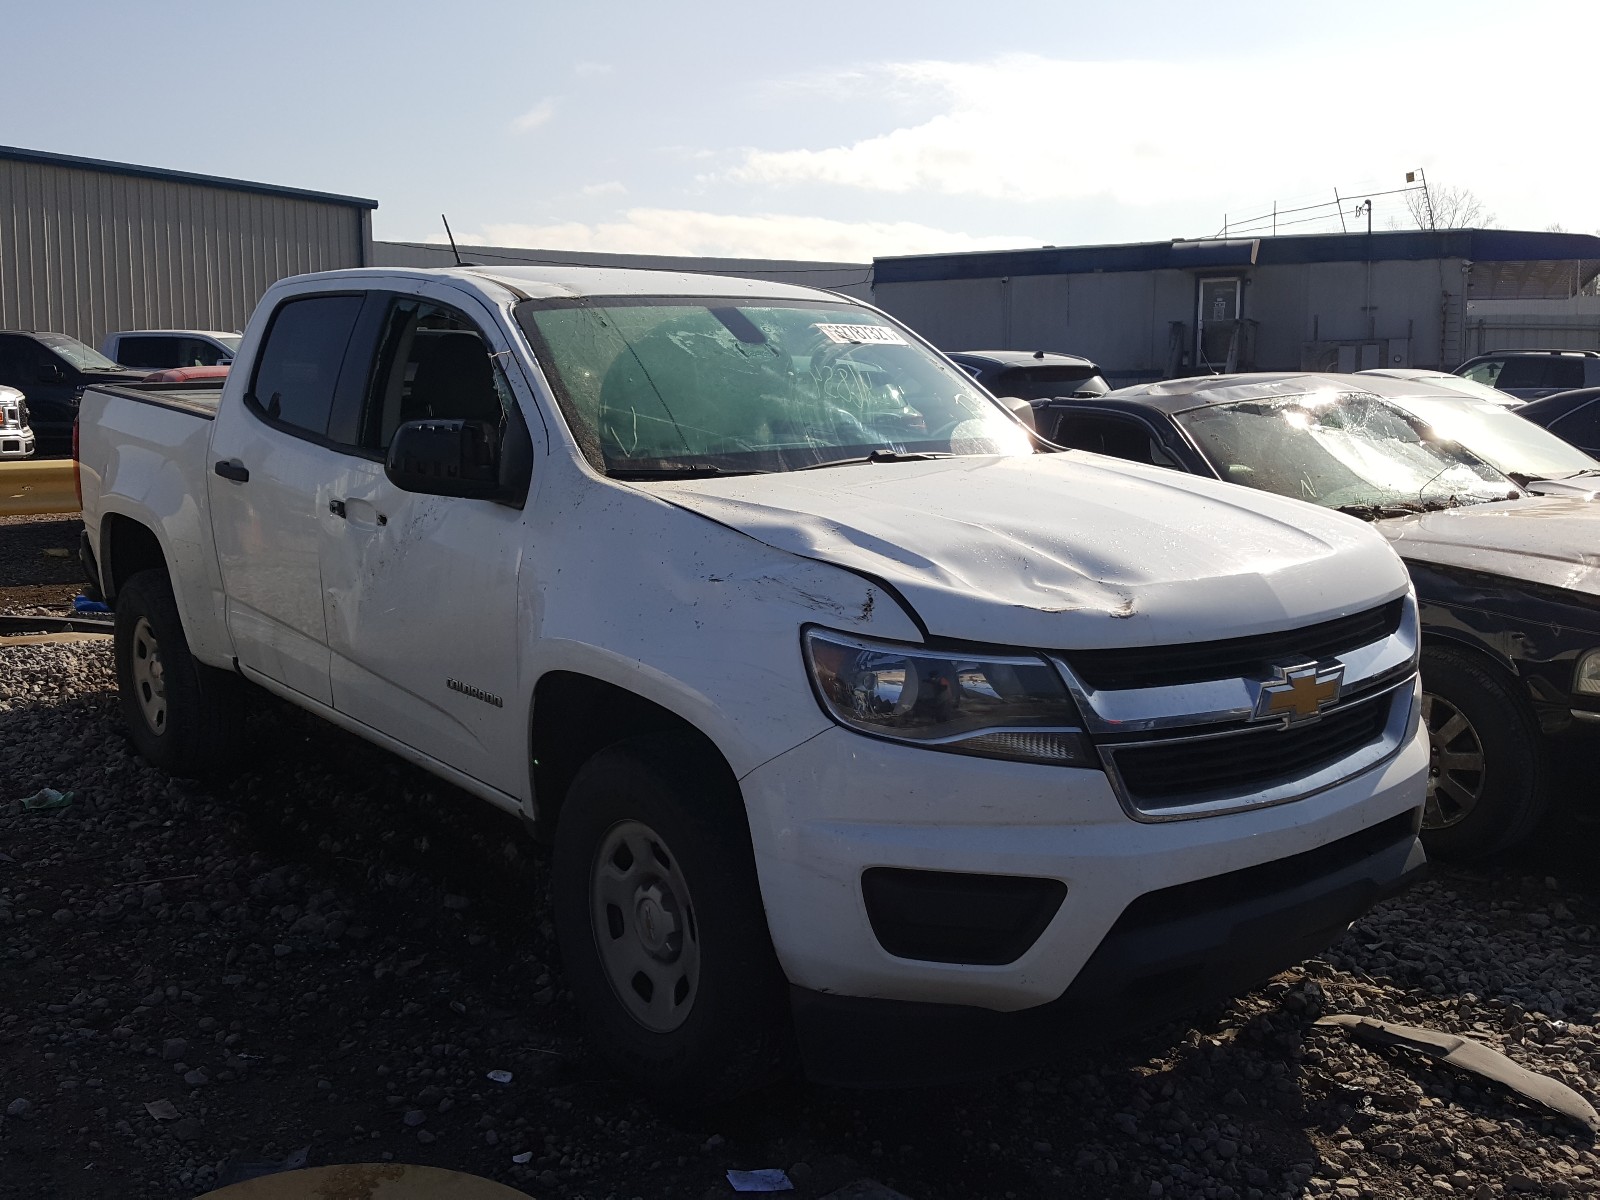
x=1063, y=551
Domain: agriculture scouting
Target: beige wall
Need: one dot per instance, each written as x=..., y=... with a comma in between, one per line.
x=87, y=252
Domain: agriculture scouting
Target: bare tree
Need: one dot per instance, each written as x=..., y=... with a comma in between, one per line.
x=1453, y=208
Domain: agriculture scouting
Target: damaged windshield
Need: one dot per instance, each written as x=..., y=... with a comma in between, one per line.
x=667, y=386
x=1345, y=450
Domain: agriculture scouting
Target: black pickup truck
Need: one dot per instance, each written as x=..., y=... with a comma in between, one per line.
x=50, y=369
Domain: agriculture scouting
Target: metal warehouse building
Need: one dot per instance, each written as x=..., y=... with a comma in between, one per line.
x=1343, y=301
x=852, y=279
x=90, y=247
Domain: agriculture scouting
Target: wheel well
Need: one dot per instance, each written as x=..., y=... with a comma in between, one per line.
x=126, y=548
x=576, y=716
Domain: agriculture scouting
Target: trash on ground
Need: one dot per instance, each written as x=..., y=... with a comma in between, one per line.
x=47, y=798
x=500, y=1076
x=525, y=1156
x=1468, y=1055
x=162, y=1110
x=767, y=1179
x=83, y=604
x=57, y=552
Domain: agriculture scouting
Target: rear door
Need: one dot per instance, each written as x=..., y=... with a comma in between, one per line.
x=275, y=469
x=421, y=592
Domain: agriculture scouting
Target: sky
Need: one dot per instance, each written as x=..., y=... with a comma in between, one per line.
x=832, y=131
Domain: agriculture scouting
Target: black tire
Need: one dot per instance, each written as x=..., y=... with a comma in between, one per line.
x=732, y=1032
x=198, y=731
x=1469, y=710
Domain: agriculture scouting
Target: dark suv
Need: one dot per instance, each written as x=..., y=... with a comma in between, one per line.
x=49, y=368
x=1529, y=374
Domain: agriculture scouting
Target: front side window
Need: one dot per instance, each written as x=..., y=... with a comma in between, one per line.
x=673, y=384
x=433, y=364
x=1346, y=450
x=1581, y=426
x=299, y=364
x=1116, y=437
x=1485, y=372
x=198, y=352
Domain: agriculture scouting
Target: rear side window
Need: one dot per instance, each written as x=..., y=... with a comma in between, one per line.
x=298, y=369
x=155, y=353
x=1541, y=372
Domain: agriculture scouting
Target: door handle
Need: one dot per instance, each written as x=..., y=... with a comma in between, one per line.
x=336, y=507
x=233, y=469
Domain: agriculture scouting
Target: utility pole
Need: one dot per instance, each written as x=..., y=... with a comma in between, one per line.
x=1367, y=206
x=1339, y=204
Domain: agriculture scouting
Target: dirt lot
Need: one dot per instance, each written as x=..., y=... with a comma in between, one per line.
x=332, y=951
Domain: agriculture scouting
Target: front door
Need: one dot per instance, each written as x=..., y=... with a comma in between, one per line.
x=1217, y=323
x=272, y=471
x=421, y=591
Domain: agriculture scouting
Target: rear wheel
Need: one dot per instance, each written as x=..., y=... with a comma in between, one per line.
x=182, y=715
x=1486, y=768
x=662, y=931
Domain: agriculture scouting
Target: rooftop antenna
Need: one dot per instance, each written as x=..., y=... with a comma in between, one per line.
x=452, y=238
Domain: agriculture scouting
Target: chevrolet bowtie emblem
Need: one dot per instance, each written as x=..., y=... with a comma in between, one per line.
x=1299, y=693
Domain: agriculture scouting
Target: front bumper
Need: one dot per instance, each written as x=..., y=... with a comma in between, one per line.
x=16, y=443
x=824, y=813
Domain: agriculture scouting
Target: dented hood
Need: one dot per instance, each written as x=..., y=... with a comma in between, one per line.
x=1064, y=550
x=1553, y=540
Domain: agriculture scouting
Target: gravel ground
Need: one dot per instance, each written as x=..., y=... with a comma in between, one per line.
x=331, y=952
x=31, y=580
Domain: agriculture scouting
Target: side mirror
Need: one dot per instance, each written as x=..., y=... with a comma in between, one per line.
x=50, y=373
x=446, y=458
x=1022, y=410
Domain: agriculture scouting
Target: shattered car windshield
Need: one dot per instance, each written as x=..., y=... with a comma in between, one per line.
x=658, y=384
x=1341, y=450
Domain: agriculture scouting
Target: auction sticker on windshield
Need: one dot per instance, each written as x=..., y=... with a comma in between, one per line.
x=852, y=335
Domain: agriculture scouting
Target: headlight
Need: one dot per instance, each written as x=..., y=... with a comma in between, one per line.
x=1586, y=679
x=989, y=706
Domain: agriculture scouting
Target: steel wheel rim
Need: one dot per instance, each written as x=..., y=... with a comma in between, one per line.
x=644, y=926
x=1456, y=762
x=149, y=677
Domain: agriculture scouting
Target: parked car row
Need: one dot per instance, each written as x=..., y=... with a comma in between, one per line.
x=48, y=371
x=1491, y=513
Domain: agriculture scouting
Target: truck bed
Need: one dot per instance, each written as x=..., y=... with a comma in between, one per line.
x=197, y=398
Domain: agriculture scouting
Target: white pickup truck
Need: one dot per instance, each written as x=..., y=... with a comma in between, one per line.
x=864, y=729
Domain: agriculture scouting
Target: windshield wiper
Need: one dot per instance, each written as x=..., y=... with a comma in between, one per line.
x=685, y=471
x=877, y=456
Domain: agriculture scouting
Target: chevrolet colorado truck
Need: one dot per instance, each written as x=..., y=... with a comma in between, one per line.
x=867, y=735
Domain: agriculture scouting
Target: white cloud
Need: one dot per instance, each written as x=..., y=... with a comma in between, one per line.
x=611, y=187
x=536, y=116
x=764, y=235
x=1034, y=129
x=587, y=70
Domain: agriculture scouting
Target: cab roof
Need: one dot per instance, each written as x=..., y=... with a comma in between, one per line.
x=541, y=282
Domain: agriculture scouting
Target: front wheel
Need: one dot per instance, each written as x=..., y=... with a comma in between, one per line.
x=1486, y=768
x=182, y=715
x=662, y=930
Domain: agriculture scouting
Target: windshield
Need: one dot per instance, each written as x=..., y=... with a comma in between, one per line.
x=230, y=340
x=84, y=358
x=669, y=384
x=1340, y=450
x=1498, y=435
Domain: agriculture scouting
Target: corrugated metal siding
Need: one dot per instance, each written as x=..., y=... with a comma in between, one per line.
x=87, y=253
